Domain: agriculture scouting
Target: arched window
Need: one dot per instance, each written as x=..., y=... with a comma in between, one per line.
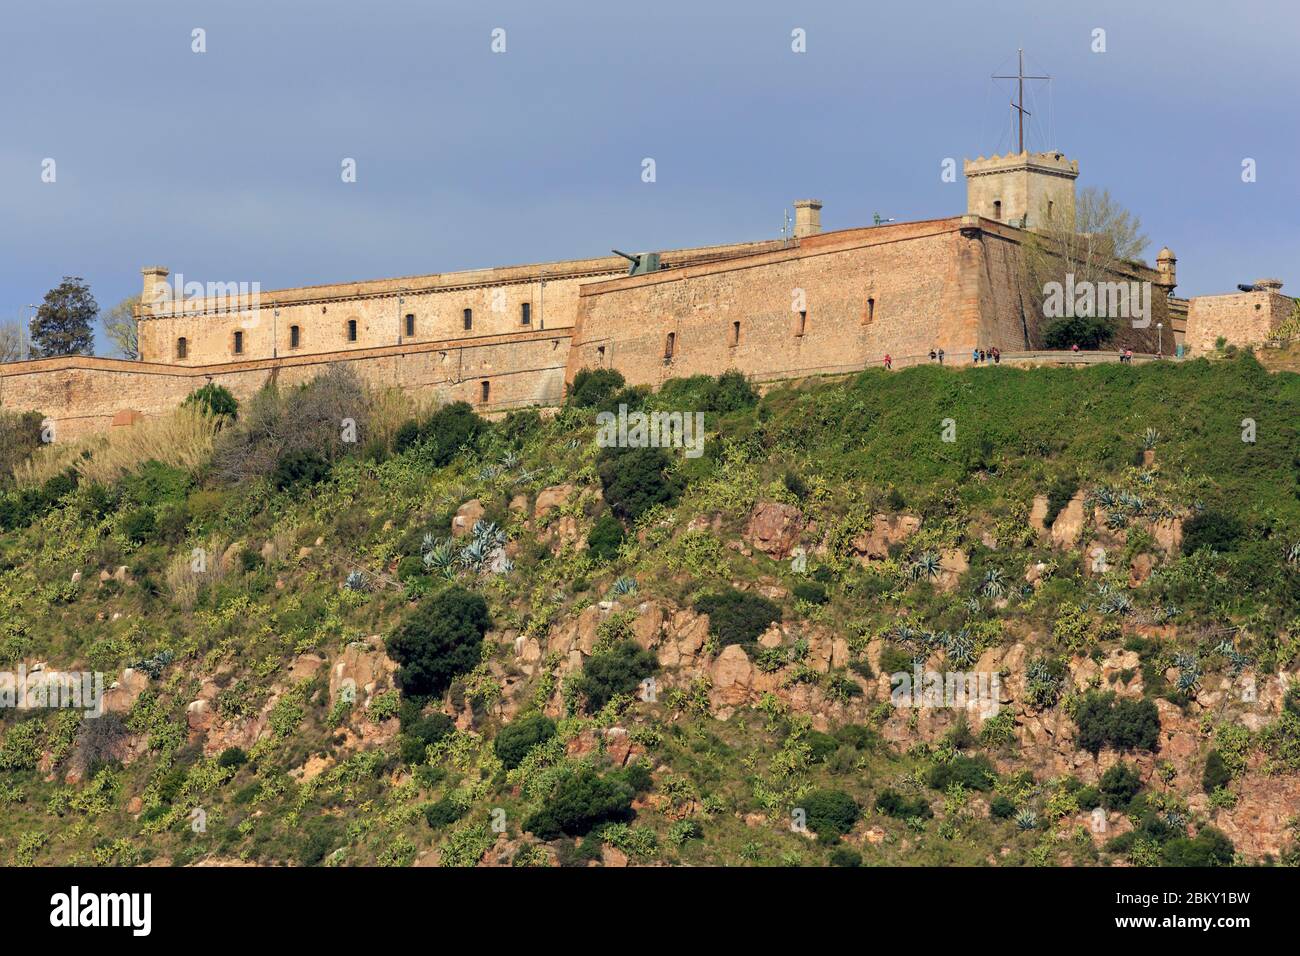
x=352, y=330
x=410, y=323
x=484, y=391
x=670, y=344
x=239, y=343
x=468, y=317
x=182, y=348
x=295, y=338
x=735, y=333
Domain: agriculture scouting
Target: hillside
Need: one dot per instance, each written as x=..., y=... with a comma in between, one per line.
x=345, y=629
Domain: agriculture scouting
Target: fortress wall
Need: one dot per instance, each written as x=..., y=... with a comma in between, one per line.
x=1243, y=318
x=922, y=277
x=322, y=313
x=83, y=394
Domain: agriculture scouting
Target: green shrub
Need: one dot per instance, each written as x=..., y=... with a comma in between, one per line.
x=1210, y=847
x=831, y=813
x=620, y=670
x=410, y=568
x=297, y=468
x=442, y=436
x=1214, y=530
x=594, y=387
x=737, y=617
x=973, y=773
x=636, y=479
x=1122, y=723
x=1118, y=786
x=444, y=812
x=20, y=435
x=820, y=745
x=521, y=735
x=1216, y=773
x=214, y=400
x=811, y=591
x=1087, y=333
x=520, y=425
x=1087, y=798
x=893, y=804
x=139, y=525
x=581, y=801
x=796, y=485
x=1001, y=808
x=605, y=538
x=895, y=660
x=232, y=757
x=1059, y=493
x=439, y=641
x=843, y=856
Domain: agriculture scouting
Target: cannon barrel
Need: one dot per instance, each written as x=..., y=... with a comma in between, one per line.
x=630, y=258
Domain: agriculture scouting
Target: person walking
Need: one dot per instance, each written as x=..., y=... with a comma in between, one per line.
x=932, y=356
x=1074, y=347
x=975, y=356
x=889, y=362
x=940, y=356
x=997, y=355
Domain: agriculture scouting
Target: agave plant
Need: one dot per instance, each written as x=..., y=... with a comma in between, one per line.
x=489, y=533
x=1189, y=671
x=624, y=585
x=1150, y=438
x=960, y=647
x=510, y=460
x=1116, y=603
x=1293, y=554
x=439, y=555
x=973, y=605
x=488, y=472
x=474, y=555
x=926, y=566
x=355, y=581
x=994, y=584
x=1115, y=520
x=1026, y=819
x=1105, y=497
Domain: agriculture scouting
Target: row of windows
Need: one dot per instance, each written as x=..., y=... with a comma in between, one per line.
x=800, y=328
x=295, y=332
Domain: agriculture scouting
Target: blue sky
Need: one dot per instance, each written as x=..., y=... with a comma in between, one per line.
x=226, y=165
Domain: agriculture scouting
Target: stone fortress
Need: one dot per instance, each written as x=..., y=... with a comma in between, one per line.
x=812, y=303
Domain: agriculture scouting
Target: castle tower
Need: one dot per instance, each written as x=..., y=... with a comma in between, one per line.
x=1022, y=189
x=1167, y=270
x=154, y=276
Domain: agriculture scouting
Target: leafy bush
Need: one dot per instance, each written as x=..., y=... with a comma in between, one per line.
x=213, y=399
x=811, y=591
x=594, y=387
x=520, y=736
x=636, y=479
x=973, y=773
x=232, y=757
x=1118, y=786
x=1216, y=772
x=444, y=812
x=619, y=670
x=302, y=467
x=439, y=641
x=893, y=804
x=443, y=434
x=1059, y=493
x=1087, y=333
x=1001, y=808
x=1123, y=723
x=581, y=801
x=420, y=731
x=831, y=813
x=410, y=568
x=1214, y=530
x=139, y=525
x=796, y=485
x=20, y=435
x=1210, y=847
x=843, y=856
x=737, y=617
x=605, y=538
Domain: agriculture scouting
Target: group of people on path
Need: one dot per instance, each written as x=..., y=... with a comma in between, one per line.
x=982, y=356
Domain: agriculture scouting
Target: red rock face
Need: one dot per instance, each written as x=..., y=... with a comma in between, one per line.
x=774, y=528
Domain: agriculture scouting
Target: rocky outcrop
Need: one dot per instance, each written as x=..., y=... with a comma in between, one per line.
x=885, y=532
x=467, y=515
x=1068, y=525
x=774, y=528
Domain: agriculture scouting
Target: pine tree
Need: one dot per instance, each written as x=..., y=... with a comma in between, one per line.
x=63, y=323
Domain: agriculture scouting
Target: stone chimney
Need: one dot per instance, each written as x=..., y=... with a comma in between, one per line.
x=807, y=217
x=154, y=276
